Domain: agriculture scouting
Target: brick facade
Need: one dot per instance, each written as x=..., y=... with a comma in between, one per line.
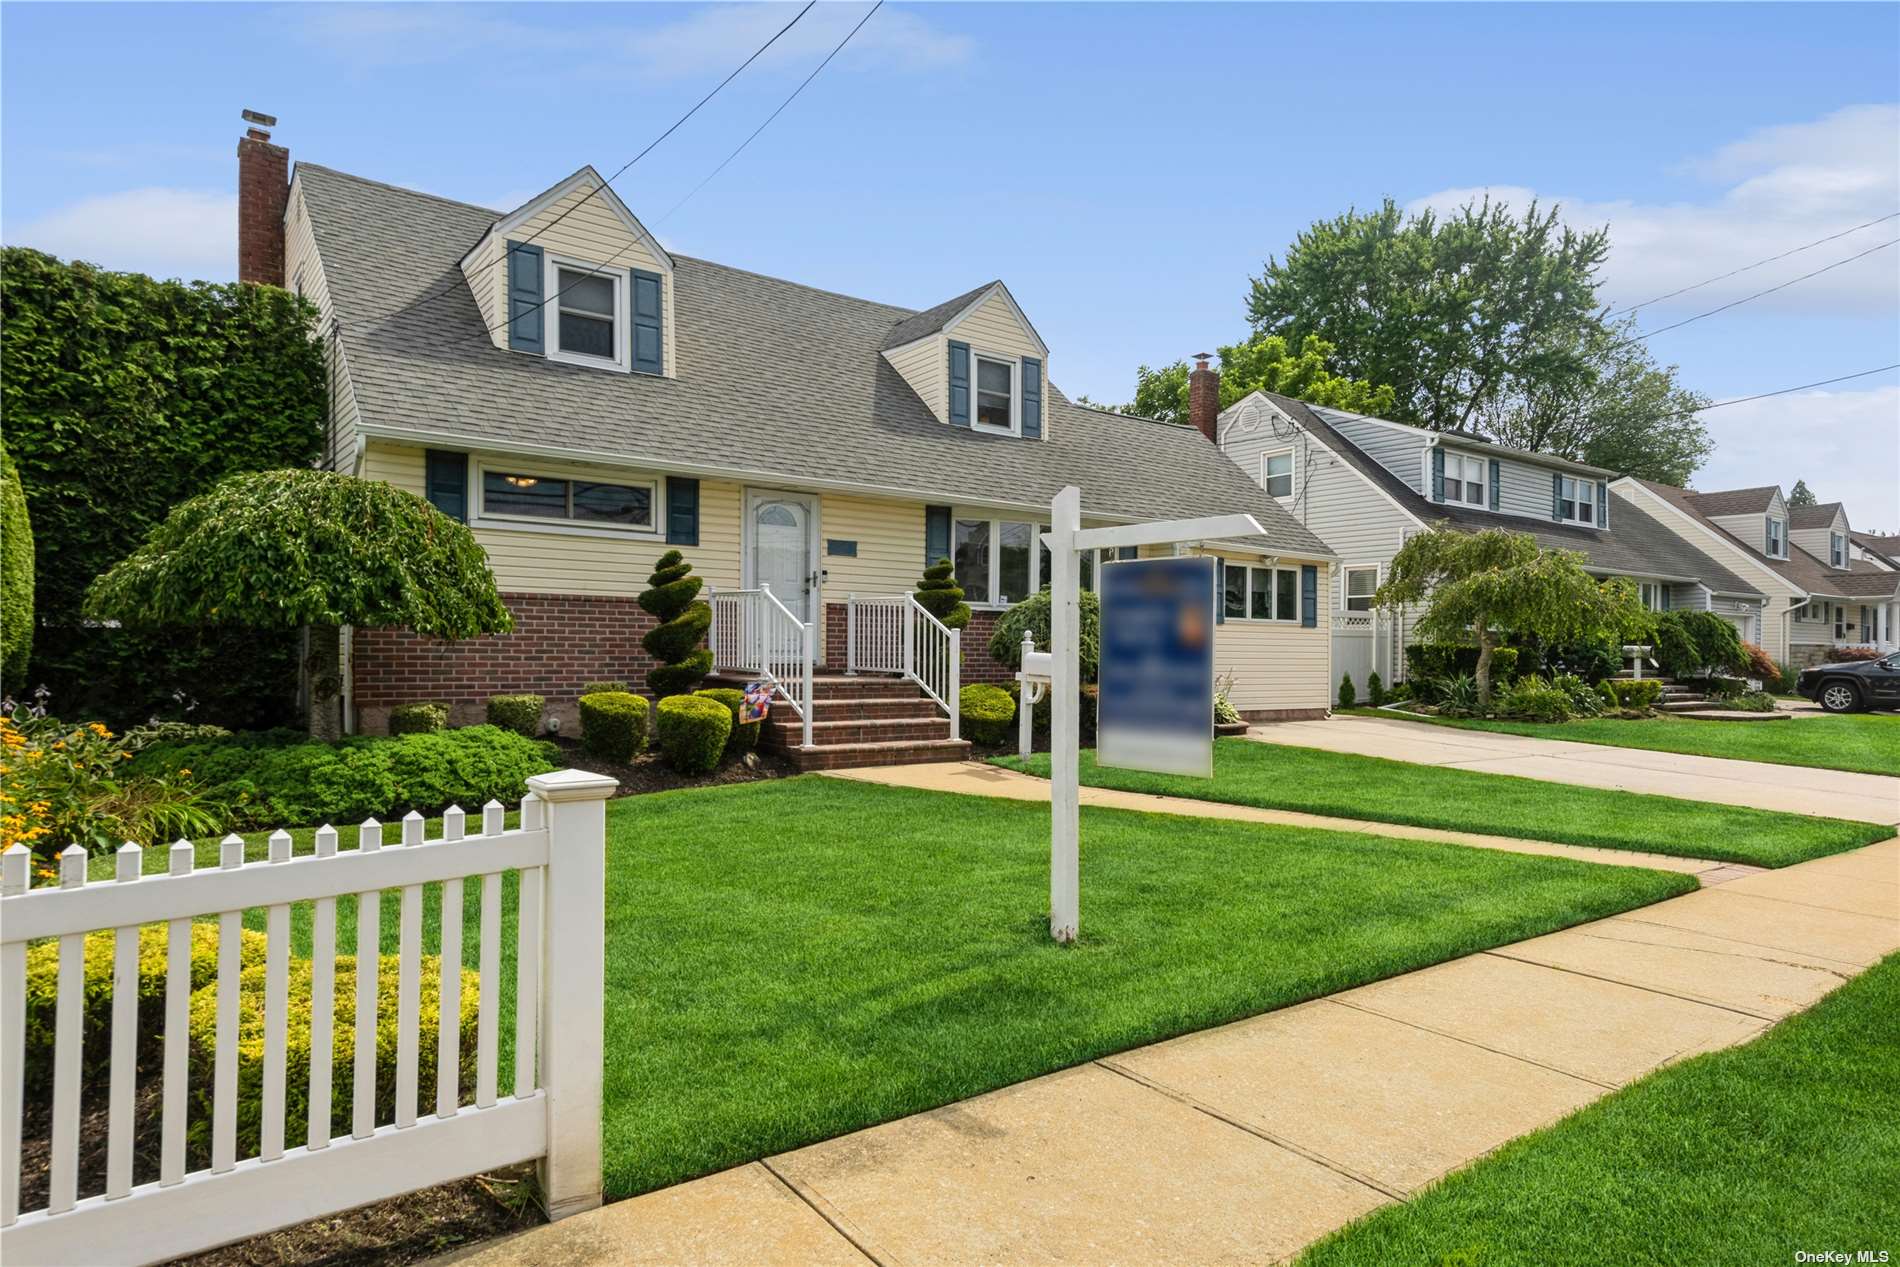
x=263, y=197
x=560, y=642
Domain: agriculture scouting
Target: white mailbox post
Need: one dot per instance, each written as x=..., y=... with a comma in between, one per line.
x=1066, y=539
x=1033, y=684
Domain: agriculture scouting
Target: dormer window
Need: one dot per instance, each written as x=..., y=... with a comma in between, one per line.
x=1578, y=501
x=1777, y=540
x=585, y=311
x=1836, y=550
x=1464, y=479
x=995, y=393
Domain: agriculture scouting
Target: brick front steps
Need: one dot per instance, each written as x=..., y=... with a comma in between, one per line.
x=866, y=720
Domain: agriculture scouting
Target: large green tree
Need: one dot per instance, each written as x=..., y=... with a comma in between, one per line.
x=1261, y=363
x=1801, y=494
x=283, y=550
x=1484, y=318
x=1480, y=586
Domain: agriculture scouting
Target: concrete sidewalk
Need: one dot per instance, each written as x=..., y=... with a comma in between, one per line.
x=1869, y=798
x=1245, y=1143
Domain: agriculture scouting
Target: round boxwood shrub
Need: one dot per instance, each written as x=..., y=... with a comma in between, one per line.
x=987, y=712
x=606, y=688
x=693, y=732
x=418, y=719
x=614, y=725
x=519, y=713
x=745, y=734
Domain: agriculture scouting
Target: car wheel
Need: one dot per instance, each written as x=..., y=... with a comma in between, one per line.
x=1839, y=697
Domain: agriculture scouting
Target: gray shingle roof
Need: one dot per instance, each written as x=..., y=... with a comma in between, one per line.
x=1812, y=516
x=1636, y=543
x=931, y=320
x=1736, y=501
x=1473, y=439
x=776, y=381
x=1800, y=567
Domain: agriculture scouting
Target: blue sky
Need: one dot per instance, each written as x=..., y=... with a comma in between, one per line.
x=1125, y=168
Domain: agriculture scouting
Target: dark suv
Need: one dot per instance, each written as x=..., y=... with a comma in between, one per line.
x=1850, y=687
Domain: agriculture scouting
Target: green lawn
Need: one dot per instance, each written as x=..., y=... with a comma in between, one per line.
x=1865, y=742
x=1276, y=776
x=791, y=960
x=1789, y=1143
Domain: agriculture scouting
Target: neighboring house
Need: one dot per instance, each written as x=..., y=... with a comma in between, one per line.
x=1883, y=552
x=1820, y=597
x=1366, y=484
x=588, y=399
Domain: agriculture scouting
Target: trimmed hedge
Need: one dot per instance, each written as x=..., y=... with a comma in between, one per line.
x=693, y=731
x=745, y=734
x=614, y=725
x=987, y=712
x=418, y=719
x=607, y=688
x=250, y=1072
x=1452, y=660
x=1640, y=693
x=16, y=580
x=282, y=778
x=519, y=713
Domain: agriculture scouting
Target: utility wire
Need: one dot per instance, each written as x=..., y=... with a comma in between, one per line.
x=768, y=118
x=1746, y=298
x=1742, y=400
x=488, y=331
x=621, y=171
x=1757, y=264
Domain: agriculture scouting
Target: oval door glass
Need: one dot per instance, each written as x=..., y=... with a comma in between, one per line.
x=782, y=553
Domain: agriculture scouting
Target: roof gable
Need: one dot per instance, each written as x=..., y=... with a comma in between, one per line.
x=597, y=190
x=947, y=316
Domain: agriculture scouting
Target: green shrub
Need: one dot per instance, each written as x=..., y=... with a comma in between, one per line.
x=614, y=725
x=1032, y=616
x=281, y=778
x=1449, y=660
x=1786, y=675
x=1591, y=660
x=1760, y=665
x=16, y=579
x=607, y=688
x=140, y=738
x=1348, y=695
x=1459, y=697
x=1584, y=700
x=250, y=1108
x=519, y=713
x=692, y=732
x=745, y=734
x=987, y=712
x=672, y=596
x=939, y=594
x=1375, y=689
x=1639, y=694
x=1753, y=702
x=1531, y=698
x=1691, y=643
x=42, y=994
x=1225, y=714
x=1725, y=688
x=416, y=719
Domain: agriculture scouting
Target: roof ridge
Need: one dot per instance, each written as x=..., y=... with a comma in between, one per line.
x=786, y=281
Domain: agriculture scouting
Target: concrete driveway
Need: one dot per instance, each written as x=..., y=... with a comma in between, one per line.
x=1871, y=798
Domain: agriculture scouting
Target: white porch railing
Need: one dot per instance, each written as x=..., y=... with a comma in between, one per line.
x=559, y=851
x=894, y=633
x=752, y=632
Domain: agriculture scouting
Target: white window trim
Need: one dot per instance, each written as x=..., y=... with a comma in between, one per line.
x=1769, y=542
x=1292, y=473
x=990, y=602
x=482, y=518
x=1840, y=550
x=1015, y=363
x=1581, y=482
x=622, y=359
x=1228, y=565
x=1345, y=585
x=1484, y=484
x=1650, y=589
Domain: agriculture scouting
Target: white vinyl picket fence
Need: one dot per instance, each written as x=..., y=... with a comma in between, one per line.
x=550, y=1114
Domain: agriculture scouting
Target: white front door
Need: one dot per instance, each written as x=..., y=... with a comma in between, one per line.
x=781, y=548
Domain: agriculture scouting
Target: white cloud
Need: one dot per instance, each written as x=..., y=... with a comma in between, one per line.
x=710, y=39
x=1775, y=189
x=1845, y=444
x=188, y=233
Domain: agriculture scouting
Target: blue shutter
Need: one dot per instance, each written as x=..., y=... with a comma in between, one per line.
x=1128, y=552
x=1309, y=595
x=525, y=315
x=1557, y=497
x=1497, y=483
x=1032, y=398
x=1438, y=474
x=936, y=534
x=1220, y=591
x=649, y=341
x=1664, y=591
x=446, y=483
x=959, y=384
x=682, y=511
x=1603, y=506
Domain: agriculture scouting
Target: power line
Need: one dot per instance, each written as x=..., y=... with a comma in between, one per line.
x=621, y=171
x=1742, y=400
x=1757, y=264
x=1746, y=298
x=596, y=269
x=768, y=118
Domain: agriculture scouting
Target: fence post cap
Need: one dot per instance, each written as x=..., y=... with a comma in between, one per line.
x=572, y=785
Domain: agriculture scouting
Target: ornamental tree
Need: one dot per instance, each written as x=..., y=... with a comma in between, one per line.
x=939, y=594
x=672, y=595
x=1482, y=585
x=312, y=549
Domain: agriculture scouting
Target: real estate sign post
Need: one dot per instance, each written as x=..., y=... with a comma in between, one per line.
x=1066, y=539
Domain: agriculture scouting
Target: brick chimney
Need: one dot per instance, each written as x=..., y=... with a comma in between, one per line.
x=1204, y=398
x=263, y=197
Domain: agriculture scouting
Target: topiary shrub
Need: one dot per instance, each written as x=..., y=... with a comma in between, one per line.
x=1031, y=616
x=939, y=594
x=606, y=688
x=1348, y=696
x=250, y=1107
x=745, y=734
x=692, y=731
x=987, y=712
x=614, y=725
x=1639, y=694
x=1375, y=689
x=42, y=993
x=16, y=579
x=519, y=713
x=416, y=719
x=672, y=596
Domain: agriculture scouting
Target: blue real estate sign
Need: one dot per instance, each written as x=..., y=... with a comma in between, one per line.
x=1156, y=704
